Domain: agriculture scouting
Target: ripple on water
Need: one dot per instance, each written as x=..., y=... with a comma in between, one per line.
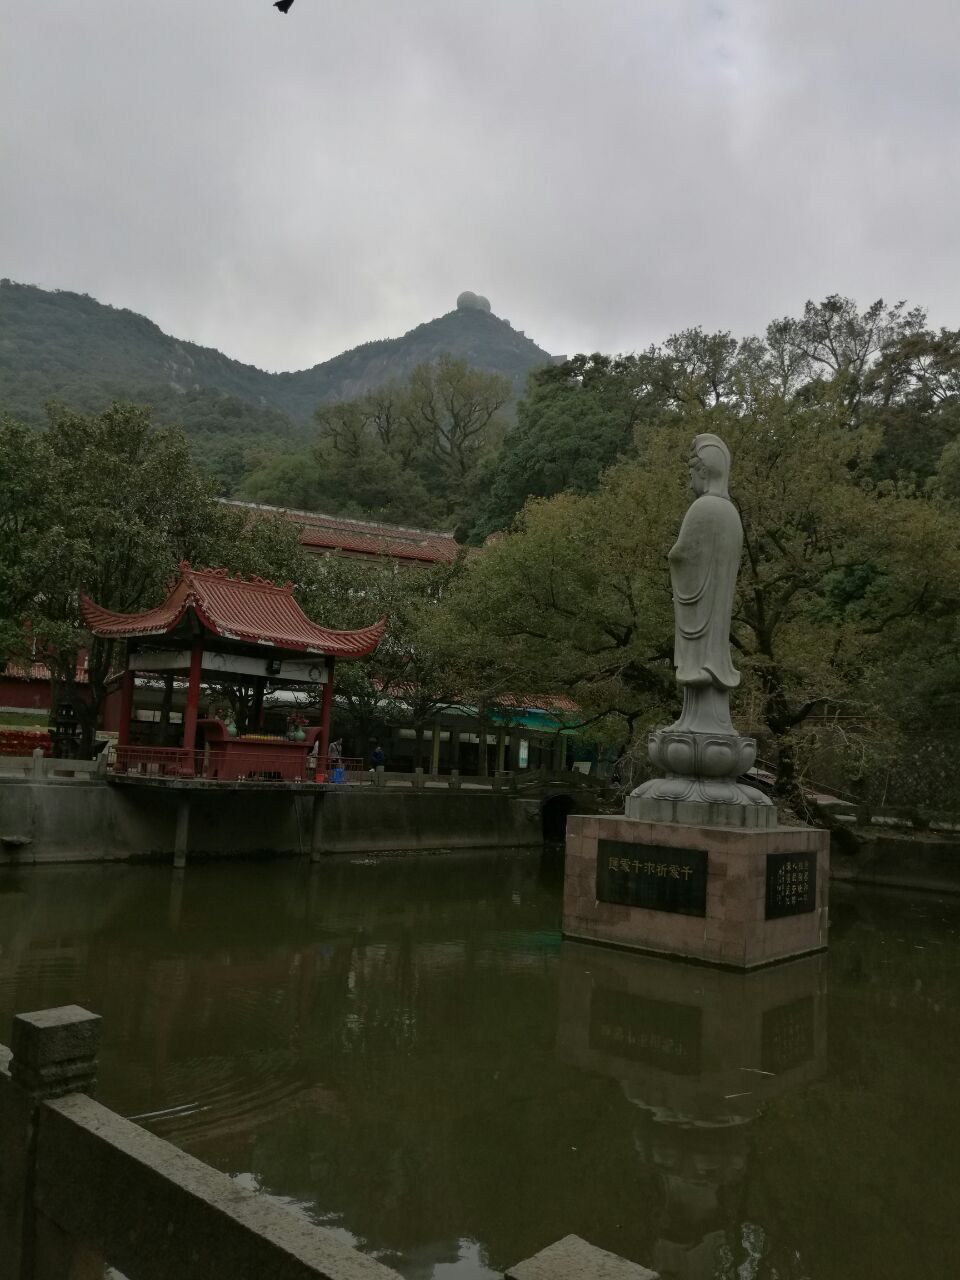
x=210, y=1100
x=39, y=978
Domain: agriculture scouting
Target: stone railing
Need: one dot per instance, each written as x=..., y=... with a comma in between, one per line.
x=501, y=780
x=82, y=1189
x=41, y=768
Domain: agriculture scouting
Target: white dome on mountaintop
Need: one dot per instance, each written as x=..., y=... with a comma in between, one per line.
x=472, y=302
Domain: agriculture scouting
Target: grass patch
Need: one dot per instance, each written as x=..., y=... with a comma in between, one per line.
x=23, y=719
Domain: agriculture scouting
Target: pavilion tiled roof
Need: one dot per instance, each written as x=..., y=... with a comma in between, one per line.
x=365, y=537
x=248, y=609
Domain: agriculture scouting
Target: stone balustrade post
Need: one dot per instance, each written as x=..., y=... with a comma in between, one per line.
x=54, y=1052
x=572, y=1258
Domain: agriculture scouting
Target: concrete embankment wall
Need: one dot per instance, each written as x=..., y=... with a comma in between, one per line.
x=361, y=819
x=898, y=861
x=78, y=820
x=87, y=819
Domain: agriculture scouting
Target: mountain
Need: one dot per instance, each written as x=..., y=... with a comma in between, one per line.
x=468, y=333
x=56, y=345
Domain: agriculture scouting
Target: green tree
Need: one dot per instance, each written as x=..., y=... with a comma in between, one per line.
x=411, y=677
x=413, y=452
x=284, y=480
x=125, y=506
x=452, y=413
x=833, y=341
x=580, y=417
x=367, y=460
x=575, y=420
x=29, y=535
x=575, y=601
x=837, y=572
x=914, y=401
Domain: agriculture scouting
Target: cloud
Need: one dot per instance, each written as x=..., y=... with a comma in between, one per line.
x=283, y=188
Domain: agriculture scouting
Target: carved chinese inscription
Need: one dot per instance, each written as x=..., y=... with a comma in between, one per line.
x=791, y=884
x=651, y=876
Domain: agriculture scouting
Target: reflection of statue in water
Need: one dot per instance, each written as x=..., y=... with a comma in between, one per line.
x=702, y=753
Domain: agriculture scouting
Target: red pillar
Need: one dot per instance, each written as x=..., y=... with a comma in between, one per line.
x=126, y=708
x=325, y=708
x=192, y=709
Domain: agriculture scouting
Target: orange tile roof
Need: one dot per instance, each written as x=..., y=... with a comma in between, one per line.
x=41, y=671
x=248, y=609
x=365, y=537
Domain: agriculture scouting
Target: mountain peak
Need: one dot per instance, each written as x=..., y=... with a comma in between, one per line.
x=468, y=301
x=57, y=345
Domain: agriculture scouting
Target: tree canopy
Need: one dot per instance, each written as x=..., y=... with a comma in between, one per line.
x=108, y=505
x=414, y=452
x=842, y=567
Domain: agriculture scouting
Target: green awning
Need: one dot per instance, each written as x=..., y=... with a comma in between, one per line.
x=531, y=718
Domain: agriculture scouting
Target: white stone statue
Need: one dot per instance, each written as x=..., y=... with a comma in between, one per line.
x=703, y=571
x=701, y=753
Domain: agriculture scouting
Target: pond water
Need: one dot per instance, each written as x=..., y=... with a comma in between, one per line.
x=406, y=1051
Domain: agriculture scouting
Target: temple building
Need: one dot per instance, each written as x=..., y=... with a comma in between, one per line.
x=362, y=539
x=244, y=633
x=26, y=685
x=520, y=733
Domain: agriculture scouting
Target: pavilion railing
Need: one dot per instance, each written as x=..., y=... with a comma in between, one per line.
x=238, y=761
x=342, y=769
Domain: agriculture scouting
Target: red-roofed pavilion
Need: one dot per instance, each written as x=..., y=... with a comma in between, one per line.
x=223, y=626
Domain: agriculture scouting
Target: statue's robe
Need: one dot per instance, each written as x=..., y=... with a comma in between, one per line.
x=703, y=572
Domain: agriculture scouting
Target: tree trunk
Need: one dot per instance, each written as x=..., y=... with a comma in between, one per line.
x=782, y=723
x=238, y=696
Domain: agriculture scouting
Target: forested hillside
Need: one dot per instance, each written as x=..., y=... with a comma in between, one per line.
x=70, y=348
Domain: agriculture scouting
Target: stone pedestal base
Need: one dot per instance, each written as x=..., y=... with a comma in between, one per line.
x=700, y=811
x=725, y=896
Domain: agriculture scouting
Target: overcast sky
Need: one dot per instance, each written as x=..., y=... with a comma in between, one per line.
x=606, y=172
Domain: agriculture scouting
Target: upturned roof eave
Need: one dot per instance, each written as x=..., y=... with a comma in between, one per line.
x=189, y=596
